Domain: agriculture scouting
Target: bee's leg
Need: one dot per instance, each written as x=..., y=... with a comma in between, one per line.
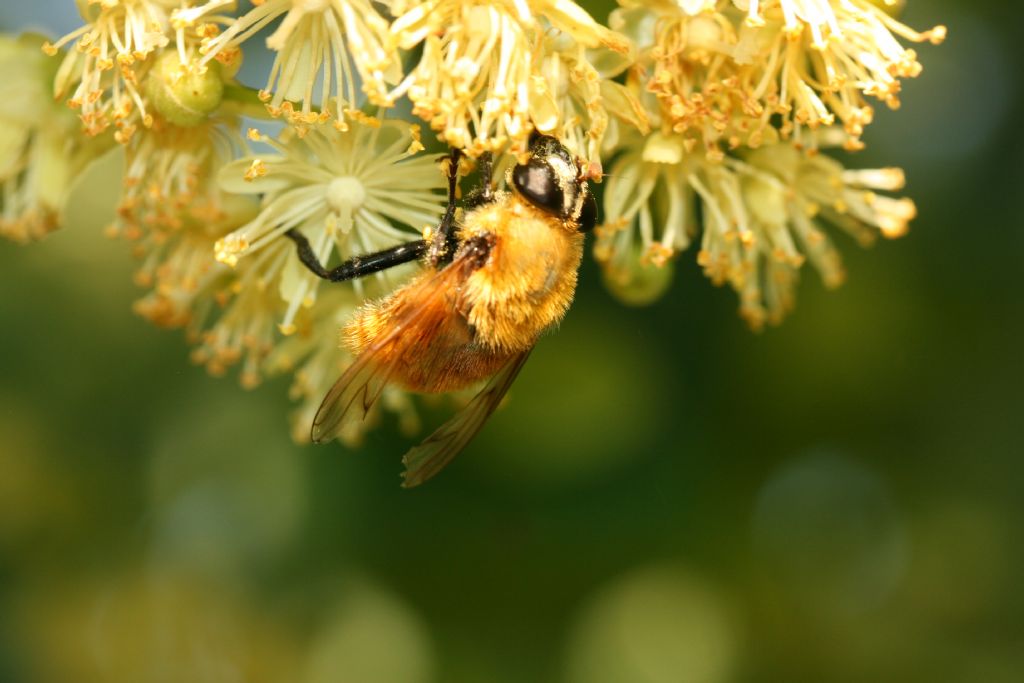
x=442, y=243
x=357, y=266
x=485, y=193
x=487, y=176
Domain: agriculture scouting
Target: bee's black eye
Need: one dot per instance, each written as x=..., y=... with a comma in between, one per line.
x=588, y=214
x=537, y=182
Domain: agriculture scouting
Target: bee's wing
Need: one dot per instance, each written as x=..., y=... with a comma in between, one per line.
x=438, y=449
x=423, y=315
x=350, y=399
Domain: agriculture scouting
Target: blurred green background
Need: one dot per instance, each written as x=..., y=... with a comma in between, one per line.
x=666, y=498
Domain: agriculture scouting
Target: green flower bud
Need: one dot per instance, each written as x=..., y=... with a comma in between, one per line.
x=635, y=280
x=184, y=94
x=893, y=8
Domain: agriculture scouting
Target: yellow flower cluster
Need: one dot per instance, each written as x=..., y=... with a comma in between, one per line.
x=715, y=115
x=743, y=95
x=324, y=47
x=762, y=216
x=487, y=73
x=725, y=72
x=40, y=157
x=491, y=72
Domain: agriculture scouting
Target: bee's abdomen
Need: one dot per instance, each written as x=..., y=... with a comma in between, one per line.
x=424, y=341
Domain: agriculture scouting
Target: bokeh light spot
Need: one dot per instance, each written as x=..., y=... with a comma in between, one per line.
x=658, y=624
x=370, y=636
x=827, y=530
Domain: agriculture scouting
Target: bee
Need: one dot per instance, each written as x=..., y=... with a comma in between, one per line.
x=496, y=275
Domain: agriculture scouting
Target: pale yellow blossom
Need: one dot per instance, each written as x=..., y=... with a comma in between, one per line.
x=486, y=69
x=817, y=61
x=757, y=217
x=179, y=269
x=101, y=72
x=243, y=329
x=324, y=48
x=40, y=155
x=169, y=176
x=349, y=192
x=721, y=71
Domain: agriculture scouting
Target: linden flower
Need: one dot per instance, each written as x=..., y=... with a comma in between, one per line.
x=39, y=156
x=185, y=280
x=103, y=69
x=196, y=26
x=170, y=167
x=177, y=268
x=245, y=329
x=324, y=48
x=349, y=192
x=761, y=216
x=172, y=205
x=481, y=77
x=697, y=82
x=232, y=313
x=572, y=100
x=170, y=174
x=722, y=70
x=816, y=60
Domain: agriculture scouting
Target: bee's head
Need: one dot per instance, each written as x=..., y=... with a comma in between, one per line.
x=553, y=182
